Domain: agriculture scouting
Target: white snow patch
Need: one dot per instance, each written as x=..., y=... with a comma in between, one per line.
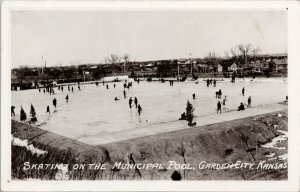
x=24, y=143
x=270, y=155
x=62, y=173
x=283, y=157
x=280, y=157
x=276, y=140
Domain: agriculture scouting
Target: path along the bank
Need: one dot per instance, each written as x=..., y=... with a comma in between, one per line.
x=159, y=128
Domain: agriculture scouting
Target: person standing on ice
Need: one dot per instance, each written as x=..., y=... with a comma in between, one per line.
x=72, y=89
x=124, y=93
x=107, y=86
x=78, y=87
x=54, y=102
x=48, y=109
x=136, y=102
x=114, y=85
x=62, y=88
x=224, y=100
x=67, y=98
x=243, y=91
x=140, y=109
x=219, y=107
x=13, y=110
x=220, y=94
x=215, y=83
x=249, y=102
x=207, y=82
x=130, y=101
x=194, y=95
x=68, y=87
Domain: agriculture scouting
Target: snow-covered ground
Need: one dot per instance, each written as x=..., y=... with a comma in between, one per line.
x=93, y=110
x=24, y=143
x=276, y=140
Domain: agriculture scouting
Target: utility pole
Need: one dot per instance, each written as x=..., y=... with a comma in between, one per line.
x=191, y=63
x=83, y=75
x=177, y=70
x=42, y=65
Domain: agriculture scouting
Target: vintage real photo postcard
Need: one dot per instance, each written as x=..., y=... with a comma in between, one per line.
x=149, y=96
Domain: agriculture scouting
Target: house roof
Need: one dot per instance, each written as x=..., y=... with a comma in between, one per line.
x=279, y=61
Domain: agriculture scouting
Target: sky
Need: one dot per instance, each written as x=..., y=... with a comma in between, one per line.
x=79, y=37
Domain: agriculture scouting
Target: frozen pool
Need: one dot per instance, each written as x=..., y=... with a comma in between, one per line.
x=93, y=111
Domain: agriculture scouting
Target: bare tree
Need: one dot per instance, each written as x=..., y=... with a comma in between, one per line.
x=235, y=52
x=245, y=138
x=112, y=60
x=227, y=54
x=181, y=151
x=245, y=49
x=256, y=51
x=126, y=61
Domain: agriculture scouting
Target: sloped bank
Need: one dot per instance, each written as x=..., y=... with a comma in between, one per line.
x=228, y=142
x=238, y=140
x=57, y=150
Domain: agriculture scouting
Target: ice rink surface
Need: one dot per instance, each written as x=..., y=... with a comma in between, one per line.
x=94, y=112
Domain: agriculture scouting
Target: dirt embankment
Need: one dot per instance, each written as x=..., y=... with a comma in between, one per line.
x=59, y=150
x=228, y=142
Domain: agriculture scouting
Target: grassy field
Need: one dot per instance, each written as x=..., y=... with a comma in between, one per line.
x=228, y=142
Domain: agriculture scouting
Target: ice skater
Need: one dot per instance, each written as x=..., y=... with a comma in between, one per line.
x=13, y=110
x=68, y=87
x=243, y=91
x=140, y=109
x=79, y=87
x=249, y=102
x=224, y=100
x=219, y=107
x=215, y=83
x=48, y=109
x=54, y=102
x=194, y=95
x=130, y=101
x=114, y=85
x=107, y=87
x=207, y=82
x=136, y=102
x=220, y=94
x=124, y=93
x=67, y=98
x=72, y=89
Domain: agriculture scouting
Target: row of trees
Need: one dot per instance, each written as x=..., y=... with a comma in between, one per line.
x=241, y=52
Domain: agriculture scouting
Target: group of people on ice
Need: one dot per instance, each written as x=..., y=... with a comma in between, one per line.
x=128, y=85
x=222, y=105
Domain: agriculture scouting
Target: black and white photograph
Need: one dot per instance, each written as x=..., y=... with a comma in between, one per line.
x=147, y=94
